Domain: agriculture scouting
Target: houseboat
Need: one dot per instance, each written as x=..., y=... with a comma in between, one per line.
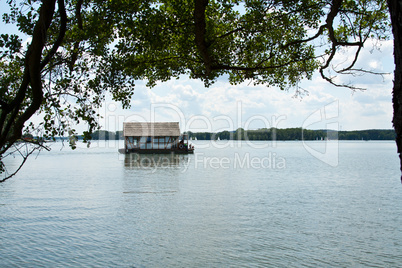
x=155, y=138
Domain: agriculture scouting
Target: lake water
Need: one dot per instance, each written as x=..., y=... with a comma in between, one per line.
x=231, y=204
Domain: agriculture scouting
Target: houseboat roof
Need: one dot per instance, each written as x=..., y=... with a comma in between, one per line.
x=147, y=129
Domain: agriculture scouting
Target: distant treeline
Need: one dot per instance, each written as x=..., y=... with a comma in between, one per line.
x=273, y=134
x=107, y=135
x=296, y=134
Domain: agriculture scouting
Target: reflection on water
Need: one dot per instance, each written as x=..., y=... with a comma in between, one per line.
x=154, y=161
x=85, y=208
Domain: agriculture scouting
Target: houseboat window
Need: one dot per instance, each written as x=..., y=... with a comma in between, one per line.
x=149, y=139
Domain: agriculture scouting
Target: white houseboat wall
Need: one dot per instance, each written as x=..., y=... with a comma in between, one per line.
x=158, y=137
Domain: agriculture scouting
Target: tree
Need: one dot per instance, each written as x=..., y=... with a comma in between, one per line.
x=81, y=49
x=63, y=74
x=395, y=9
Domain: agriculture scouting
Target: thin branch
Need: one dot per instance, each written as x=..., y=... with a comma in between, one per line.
x=38, y=144
x=354, y=71
x=24, y=159
x=331, y=81
x=353, y=62
x=230, y=33
x=257, y=67
x=318, y=34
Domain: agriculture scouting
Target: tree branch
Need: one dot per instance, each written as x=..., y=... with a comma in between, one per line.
x=60, y=37
x=24, y=157
x=200, y=33
x=32, y=76
x=74, y=54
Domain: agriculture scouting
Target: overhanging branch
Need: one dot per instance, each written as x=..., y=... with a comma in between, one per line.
x=200, y=33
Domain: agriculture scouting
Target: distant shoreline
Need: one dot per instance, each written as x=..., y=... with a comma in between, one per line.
x=286, y=134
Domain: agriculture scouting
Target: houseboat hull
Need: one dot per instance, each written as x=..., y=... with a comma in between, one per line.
x=156, y=151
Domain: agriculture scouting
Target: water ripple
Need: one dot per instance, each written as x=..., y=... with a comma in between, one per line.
x=90, y=210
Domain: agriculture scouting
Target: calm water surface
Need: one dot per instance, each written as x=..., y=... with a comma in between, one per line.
x=232, y=206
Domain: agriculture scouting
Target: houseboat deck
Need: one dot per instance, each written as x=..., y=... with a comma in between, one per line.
x=156, y=151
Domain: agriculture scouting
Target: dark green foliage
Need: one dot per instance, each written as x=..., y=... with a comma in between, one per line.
x=296, y=134
x=107, y=135
x=372, y=134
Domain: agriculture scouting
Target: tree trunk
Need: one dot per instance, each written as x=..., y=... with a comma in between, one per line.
x=395, y=9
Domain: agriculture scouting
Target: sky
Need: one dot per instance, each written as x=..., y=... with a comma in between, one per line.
x=227, y=107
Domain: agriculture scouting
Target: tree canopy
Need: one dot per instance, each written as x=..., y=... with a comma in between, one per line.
x=276, y=43
x=80, y=50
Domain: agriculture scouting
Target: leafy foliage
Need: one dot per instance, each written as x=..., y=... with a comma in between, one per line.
x=270, y=42
x=63, y=74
